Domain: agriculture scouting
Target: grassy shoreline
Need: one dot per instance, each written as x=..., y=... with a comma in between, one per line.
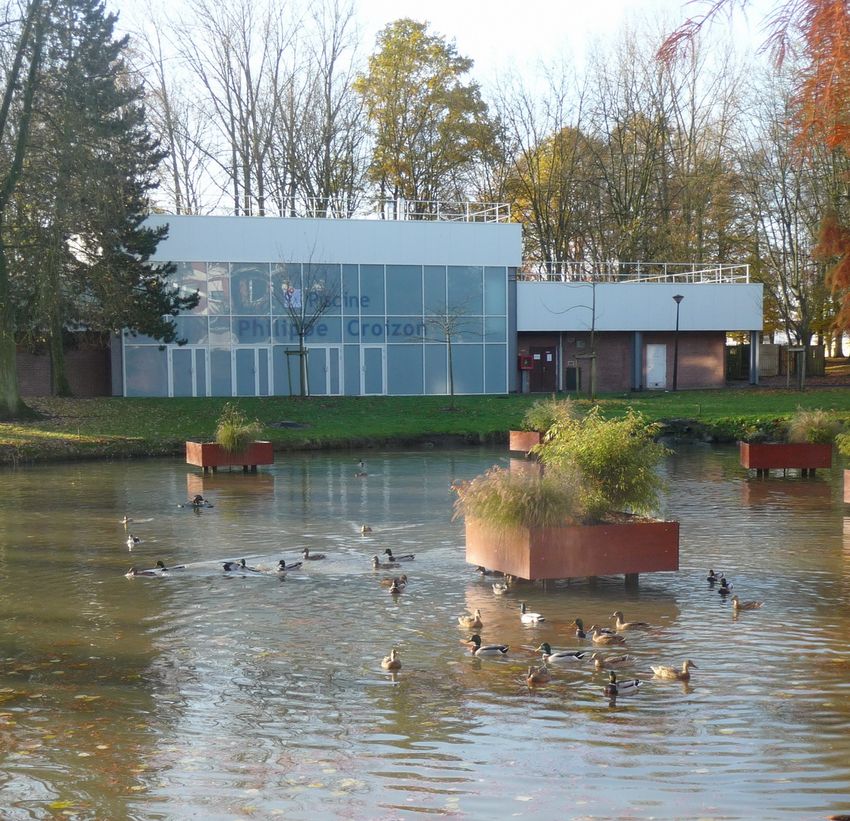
x=114, y=427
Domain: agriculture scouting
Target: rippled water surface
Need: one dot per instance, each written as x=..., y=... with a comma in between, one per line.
x=199, y=695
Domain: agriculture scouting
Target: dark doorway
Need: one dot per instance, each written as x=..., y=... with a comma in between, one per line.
x=543, y=375
x=572, y=379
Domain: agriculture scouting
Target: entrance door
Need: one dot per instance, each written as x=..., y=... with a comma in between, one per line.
x=252, y=371
x=544, y=377
x=323, y=377
x=656, y=367
x=372, y=370
x=188, y=371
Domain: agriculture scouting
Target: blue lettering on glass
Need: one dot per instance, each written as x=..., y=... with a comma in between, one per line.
x=322, y=330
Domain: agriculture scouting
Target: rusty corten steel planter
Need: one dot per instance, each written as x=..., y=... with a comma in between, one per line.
x=574, y=551
x=780, y=455
x=522, y=441
x=211, y=456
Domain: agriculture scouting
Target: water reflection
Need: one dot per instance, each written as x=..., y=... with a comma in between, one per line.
x=205, y=694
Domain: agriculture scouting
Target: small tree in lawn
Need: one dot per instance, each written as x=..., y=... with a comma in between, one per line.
x=304, y=293
x=450, y=323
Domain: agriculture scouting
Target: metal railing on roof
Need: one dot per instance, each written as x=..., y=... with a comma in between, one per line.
x=397, y=209
x=615, y=271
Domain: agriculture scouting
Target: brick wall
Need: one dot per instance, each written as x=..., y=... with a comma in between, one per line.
x=87, y=369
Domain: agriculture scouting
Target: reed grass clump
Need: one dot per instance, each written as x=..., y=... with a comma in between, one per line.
x=546, y=413
x=813, y=427
x=233, y=431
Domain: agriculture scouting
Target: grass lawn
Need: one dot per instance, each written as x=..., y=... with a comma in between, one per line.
x=104, y=427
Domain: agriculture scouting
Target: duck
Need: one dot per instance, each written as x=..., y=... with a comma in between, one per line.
x=674, y=673
x=472, y=622
x=712, y=577
x=500, y=588
x=560, y=656
x=364, y=529
x=537, y=675
x=392, y=661
x=282, y=566
x=132, y=541
x=479, y=649
x=527, y=617
x=607, y=639
x=620, y=688
x=134, y=571
x=396, y=588
x=239, y=567
x=579, y=625
x=725, y=588
x=398, y=581
x=627, y=625
x=601, y=663
x=312, y=557
x=360, y=473
x=377, y=564
x=243, y=565
x=737, y=604
x=160, y=565
x=485, y=572
x=407, y=557
x=126, y=520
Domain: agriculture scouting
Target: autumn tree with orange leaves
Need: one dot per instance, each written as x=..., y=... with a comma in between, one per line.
x=822, y=111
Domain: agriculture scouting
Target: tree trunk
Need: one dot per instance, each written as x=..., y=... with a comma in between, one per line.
x=302, y=361
x=11, y=405
x=59, y=385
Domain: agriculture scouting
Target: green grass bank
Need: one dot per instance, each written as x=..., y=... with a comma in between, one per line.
x=117, y=427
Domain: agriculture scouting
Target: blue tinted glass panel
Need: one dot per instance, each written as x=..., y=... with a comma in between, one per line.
x=466, y=289
x=351, y=289
x=495, y=290
x=436, y=373
x=218, y=288
x=435, y=289
x=327, y=329
x=220, y=331
x=373, y=370
x=495, y=329
x=191, y=277
x=404, y=369
x=495, y=369
x=192, y=328
x=287, y=377
x=181, y=371
x=139, y=339
x=286, y=288
x=249, y=288
x=468, y=329
x=263, y=372
x=200, y=372
x=323, y=289
x=220, y=382
x=352, y=370
x=333, y=370
x=404, y=289
x=435, y=328
x=405, y=329
x=251, y=330
x=351, y=329
x=317, y=371
x=468, y=368
x=147, y=370
x=373, y=329
x=372, y=290
x=245, y=372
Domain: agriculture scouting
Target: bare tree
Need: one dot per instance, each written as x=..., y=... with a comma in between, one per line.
x=449, y=322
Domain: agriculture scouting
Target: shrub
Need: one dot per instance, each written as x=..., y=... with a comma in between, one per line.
x=842, y=440
x=617, y=461
x=234, y=432
x=507, y=499
x=813, y=426
x=545, y=413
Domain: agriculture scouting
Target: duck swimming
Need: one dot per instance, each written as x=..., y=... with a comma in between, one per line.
x=560, y=656
x=407, y=557
x=674, y=673
x=313, y=557
x=606, y=639
x=392, y=661
x=485, y=572
x=360, y=473
x=579, y=625
x=620, y=688
x=364, y=529
x=725, y=588
x=601, y=663
x=627, y=625
x=134, y=571
x=132, y=541
x=126, y=520
x=500, y=589
x=712, y=577
x=479, y=649
x=745, y=605
x=398, y=581
x=377, y=564
x=396, y=587
x=537, y=675
x=283, y=566
x=472, y=622
x=527, y=617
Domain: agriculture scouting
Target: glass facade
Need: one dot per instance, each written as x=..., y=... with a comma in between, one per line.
x=369, y=329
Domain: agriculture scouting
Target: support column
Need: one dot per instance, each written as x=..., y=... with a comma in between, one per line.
x=755, y=356
x=637, y=361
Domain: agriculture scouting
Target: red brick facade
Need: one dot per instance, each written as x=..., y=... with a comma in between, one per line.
x=87, y=369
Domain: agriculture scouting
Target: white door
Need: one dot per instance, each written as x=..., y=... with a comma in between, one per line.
x=656, y=367
x=187, y=368
x=373, y=377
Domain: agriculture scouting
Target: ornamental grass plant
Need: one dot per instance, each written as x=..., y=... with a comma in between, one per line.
x=234, y=432
x=546, y=413
x=813, y=427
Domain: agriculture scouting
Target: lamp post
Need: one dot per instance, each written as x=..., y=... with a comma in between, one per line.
x=678, y=300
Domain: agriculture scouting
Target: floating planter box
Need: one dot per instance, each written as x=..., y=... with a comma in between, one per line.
x=803, y=456
x=630, y=548
x=211, y=456
x=522, y=441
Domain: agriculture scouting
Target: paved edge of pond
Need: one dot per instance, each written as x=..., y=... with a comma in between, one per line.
x=672, y=430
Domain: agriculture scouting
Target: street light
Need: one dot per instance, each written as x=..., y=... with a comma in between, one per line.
x=678, y=300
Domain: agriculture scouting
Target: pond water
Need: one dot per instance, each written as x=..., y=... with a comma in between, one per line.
x=207, y=695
